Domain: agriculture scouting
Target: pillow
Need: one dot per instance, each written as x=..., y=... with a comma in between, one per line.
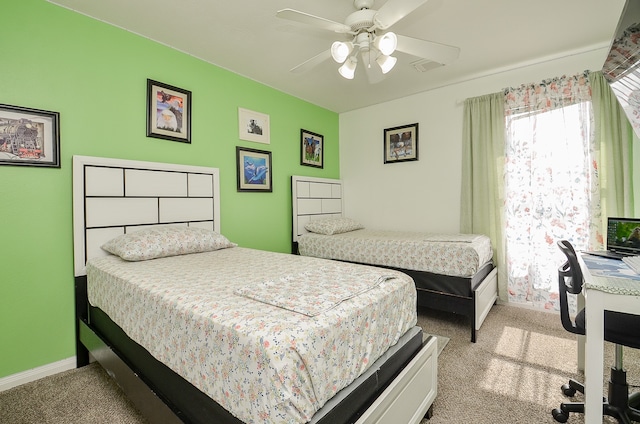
x=160, y=242
x=331, y=226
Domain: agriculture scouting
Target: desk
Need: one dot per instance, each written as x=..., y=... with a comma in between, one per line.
x=608, y=285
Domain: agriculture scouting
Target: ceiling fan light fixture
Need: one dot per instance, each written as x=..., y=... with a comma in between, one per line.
x=387, y=43
x=340, y=51
x=370, y=41
x=348, y=69
x=386, y=63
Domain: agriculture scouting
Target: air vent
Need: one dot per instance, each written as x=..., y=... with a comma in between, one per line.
x=424, y=65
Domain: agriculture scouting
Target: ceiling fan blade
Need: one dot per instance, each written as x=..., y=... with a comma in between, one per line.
x=436, y=52
x=318, y=22
x=311, y=63
x=394, y=10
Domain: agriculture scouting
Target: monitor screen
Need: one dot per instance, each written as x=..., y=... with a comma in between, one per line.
x=621, y=69
x=623, y=235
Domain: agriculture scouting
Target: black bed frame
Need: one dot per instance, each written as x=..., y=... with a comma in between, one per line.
x=434, y=293
x=443, y=292
x=164, y=396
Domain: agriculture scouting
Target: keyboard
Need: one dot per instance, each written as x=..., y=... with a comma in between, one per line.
x=632, y=262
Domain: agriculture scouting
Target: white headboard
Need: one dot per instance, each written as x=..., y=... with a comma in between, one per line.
x=314, y=198
x=116, y=196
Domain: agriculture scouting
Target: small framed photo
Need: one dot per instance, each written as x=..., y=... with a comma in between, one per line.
x=168, y=112
x=311, y=149
x=253, y=126
x=401, y=143
x=29, y=137
x=254, y=169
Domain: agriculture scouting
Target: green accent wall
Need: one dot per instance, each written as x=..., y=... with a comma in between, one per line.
x=95, y=75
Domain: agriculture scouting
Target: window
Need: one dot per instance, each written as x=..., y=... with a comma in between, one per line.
x=550, y=182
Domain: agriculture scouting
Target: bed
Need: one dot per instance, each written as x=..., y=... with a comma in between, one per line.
x=452, y=272
x=196, y=329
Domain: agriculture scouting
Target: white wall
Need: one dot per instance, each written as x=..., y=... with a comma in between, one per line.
x=425, y=194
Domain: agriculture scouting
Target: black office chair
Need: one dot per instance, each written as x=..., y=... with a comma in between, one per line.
x=619, y=328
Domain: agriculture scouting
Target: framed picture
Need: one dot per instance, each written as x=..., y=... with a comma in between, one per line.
x=254, y=169
x=29, y=137
x=253, y=126
x=168, y=112
x=401, y=143
x=311, y=149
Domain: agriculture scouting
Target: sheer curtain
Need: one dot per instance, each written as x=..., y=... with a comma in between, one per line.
x=551, y=183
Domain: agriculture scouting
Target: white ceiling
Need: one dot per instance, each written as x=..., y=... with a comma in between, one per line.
x=247, y=38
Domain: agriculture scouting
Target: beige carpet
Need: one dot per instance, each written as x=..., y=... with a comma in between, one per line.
x=514, y=372
x=81, y=396
x=511, y=375
x=440, y=340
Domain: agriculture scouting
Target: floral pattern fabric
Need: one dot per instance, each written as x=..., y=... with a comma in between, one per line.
x=262, y=363
x=551, y=184
x=459, y=255
x=550, y=94
x=330, y=226
x=624, y=50
x=316, y=291
x=162, y=241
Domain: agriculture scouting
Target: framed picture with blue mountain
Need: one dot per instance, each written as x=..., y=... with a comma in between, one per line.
x=254, y=169
x=29, y=137
x=168, y=112
x=311, y=149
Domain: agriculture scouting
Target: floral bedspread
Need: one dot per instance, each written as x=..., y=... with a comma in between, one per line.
x=316, y=290
x=458, y=255
x=263, y=363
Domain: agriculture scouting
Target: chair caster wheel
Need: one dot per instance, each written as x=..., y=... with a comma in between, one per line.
x=568, y=391
x=559, y=415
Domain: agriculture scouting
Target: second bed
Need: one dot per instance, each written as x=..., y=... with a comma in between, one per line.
x=452, y=272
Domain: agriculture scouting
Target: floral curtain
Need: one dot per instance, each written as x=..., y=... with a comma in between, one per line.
x=551, y=184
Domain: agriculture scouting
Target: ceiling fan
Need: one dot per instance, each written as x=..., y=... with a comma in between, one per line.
x=368, y=38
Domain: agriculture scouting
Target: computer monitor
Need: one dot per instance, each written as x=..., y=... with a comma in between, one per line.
x=623, y=235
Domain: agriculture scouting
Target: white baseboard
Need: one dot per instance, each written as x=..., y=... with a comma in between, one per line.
x=37, y=373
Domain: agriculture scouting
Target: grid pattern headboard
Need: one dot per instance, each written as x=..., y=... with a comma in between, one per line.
x=314, y=198
x=116, y=196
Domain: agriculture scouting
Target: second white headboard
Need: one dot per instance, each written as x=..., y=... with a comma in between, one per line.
x=314, y=198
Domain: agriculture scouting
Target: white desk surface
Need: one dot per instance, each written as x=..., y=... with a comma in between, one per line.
x=609, y=285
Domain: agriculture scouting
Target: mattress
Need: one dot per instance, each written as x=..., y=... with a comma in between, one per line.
x=263, y=363
x=457, y=255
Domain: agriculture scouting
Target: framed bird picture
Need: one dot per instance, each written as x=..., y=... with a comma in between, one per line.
x=168, y=112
